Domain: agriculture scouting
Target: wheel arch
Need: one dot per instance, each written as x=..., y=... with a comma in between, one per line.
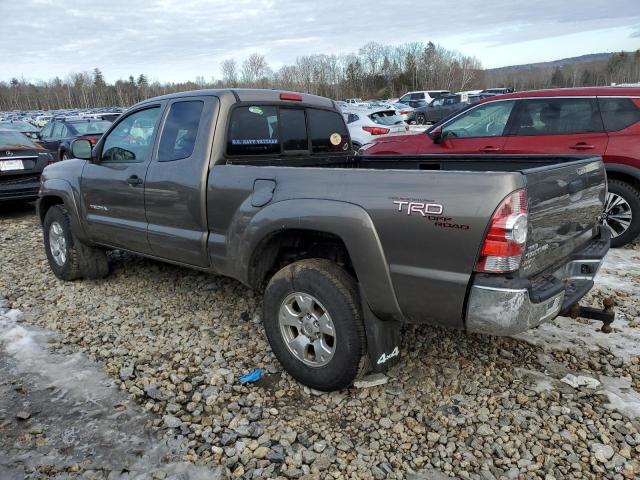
x=624, y=173
x=335, y=230
x=59, y=192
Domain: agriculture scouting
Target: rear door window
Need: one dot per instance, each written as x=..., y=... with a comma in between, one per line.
x=254, y=131
x=619, y=113
x=327, y=131
x=180, y=131
x=293, y=130
x=557, y=116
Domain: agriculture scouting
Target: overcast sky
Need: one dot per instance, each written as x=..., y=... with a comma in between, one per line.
x=176, y=40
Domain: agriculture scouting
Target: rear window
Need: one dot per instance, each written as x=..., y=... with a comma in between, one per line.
x=253, y=131
x=293, y=130
x=327, y=131
x=89, y=128
x=271, y=130
x=14, y=139
x=618, y=113
x=387, y=117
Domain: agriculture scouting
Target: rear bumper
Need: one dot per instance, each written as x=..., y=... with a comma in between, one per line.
x=20, y=188
x=501, y=306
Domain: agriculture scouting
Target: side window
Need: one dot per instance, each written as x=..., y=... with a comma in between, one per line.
x=487, y=120
x=180, y=130
x=327, y=131
x=557, y=116
x=132, y=139
x=352, y=117
x=405, y=99
x=293, y=130
x=438, y=102
x=417, y=96
x=57, y=131
x=46, y=131
x=65, y=131
x=619, y=113
x=254, y=131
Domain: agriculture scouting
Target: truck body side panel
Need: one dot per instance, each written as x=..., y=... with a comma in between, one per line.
x=429, y=257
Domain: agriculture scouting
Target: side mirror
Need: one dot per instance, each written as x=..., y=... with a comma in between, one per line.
x=436, y=135
x=81, y=149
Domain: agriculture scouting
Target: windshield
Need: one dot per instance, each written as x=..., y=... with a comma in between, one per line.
x=89, y=128
x=14, y=139
x=387, y=117
x=18, y=126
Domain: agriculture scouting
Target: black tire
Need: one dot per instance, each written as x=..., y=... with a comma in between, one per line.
x=338, y=293
x=420, y=120
x=81, y=261
x=64, y=156
x=632, y=196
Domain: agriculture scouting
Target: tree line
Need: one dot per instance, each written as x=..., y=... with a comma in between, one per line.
x=375, y=71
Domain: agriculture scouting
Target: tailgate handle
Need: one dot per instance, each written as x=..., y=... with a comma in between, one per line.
x=583, y=146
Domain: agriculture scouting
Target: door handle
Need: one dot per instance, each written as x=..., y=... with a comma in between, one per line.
x=489, y=148
x=134, y=180
x=583, y=146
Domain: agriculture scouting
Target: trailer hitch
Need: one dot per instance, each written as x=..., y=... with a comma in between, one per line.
x=606, y=315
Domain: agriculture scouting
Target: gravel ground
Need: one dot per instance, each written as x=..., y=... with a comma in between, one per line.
x=176, y=341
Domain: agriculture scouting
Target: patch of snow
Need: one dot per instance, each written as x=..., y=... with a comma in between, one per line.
x=618, y=270
x=621, y=395
x=566, y=334
x=577, y=381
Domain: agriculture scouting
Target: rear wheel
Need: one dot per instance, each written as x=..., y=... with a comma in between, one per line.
x=313, y=320
x=69, y=258
x=420, y=120
x=622, y=212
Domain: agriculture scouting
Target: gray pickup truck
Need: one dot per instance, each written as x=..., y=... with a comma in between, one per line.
x=262, y=186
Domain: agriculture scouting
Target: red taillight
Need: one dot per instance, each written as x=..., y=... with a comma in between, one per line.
x=376, y=130
x=507, y=235
x=405, y=112
x=294, y=97
x=92, y=140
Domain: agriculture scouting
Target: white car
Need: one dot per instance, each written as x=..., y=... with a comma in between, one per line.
x=356, y=102
x=366, y=124
x=422, y=97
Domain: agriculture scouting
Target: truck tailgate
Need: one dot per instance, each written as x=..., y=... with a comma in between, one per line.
x=565, y=202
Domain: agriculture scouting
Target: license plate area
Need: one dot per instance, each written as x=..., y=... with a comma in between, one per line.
x=11, y=165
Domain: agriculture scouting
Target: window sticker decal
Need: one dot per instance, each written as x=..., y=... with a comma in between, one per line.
x=254, y=141
x=256, y=110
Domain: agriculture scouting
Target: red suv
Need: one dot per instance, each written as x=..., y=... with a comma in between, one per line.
x=602, y=121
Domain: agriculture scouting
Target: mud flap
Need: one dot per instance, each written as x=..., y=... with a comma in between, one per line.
x=383, y=340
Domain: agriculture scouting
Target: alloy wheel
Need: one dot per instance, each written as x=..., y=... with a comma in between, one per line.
x=307, y=329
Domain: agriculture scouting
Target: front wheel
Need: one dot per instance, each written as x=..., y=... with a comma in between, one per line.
x=622, y=212
x=69, y=259
x=313, y=320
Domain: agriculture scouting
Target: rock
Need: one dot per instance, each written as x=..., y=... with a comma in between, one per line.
x=23, y=415
x=601, y=453
x=319, y=446
x=275, y=456
x=172, y=422
x=261, y=452
x=385, y=422
x=484, y=430
x=153, y=392
x=372, y=380
x=126, y=373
